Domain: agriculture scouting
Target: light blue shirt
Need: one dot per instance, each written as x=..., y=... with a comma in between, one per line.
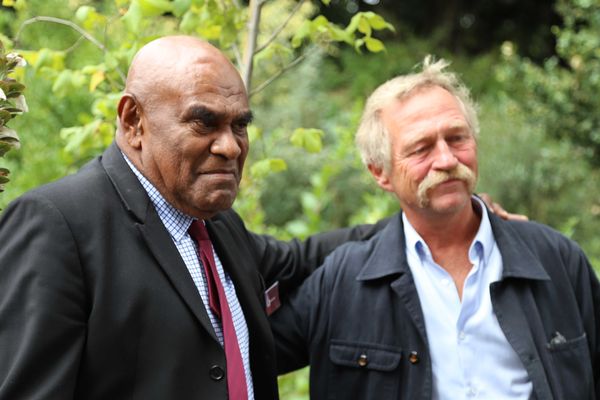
x=471, y=358
x=178, y=224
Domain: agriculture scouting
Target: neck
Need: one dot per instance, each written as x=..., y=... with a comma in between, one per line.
x=446, y=230
x=449, y=237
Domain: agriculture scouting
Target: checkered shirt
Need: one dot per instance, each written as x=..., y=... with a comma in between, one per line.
x=178, y=224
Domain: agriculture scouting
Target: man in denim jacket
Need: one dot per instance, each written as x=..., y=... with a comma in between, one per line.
x=448, y=301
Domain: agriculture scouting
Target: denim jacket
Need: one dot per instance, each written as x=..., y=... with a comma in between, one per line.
x=358, y=321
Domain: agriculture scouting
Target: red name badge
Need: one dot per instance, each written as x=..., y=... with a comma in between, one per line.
x=272, y=298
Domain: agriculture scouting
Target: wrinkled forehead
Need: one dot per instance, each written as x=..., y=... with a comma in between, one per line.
x=214, y=89
x=206, y=83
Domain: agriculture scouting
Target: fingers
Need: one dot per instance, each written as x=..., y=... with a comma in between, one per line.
x=500, y=211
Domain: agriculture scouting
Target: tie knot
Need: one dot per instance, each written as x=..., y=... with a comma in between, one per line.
x=198, y=230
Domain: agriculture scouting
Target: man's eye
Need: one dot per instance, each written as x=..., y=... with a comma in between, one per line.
x=240, y=126
x=419, y=150
x=203, y=124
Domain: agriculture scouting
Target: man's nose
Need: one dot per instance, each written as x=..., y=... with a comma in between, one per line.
x=227, y=145
x=444, y=158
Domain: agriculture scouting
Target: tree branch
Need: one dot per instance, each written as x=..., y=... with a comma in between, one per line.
x=238, y=56
x=281, y=27
x=291, y=65
x=253, y=27
x=71, y=25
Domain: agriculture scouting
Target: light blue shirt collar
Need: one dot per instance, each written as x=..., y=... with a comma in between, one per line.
x=481, y=247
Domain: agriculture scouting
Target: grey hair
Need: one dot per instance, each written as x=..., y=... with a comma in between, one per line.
x=372, y=138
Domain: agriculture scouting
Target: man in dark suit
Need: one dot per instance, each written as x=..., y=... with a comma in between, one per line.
x=102, y=291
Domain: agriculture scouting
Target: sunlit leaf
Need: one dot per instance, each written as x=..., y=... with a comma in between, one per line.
x=358, y=43
x=308, y=139
x=364, y=27
x=301, y=33
x=309, y=201
x=254, y=133
x=189, y=22
x=374, y=45
x=82, y=13
x=264, y=167
x=63, y=83
x=133, y=17
x=181, y=6
x=96, y=79
x=153, y=8
x=377, y=22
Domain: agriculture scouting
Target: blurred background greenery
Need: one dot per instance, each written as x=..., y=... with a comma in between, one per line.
x=533, y=66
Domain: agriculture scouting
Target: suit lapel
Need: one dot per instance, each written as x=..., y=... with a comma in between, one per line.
x=162, y=247
x=156, y=236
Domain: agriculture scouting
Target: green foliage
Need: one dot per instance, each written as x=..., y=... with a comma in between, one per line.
x=294, y=386
x=87, y=62
x=12, y=103
x=308, y=139
x=562, y=93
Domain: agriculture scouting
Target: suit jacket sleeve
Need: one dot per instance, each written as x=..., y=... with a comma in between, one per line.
x=301, y=320
x=42, y=304
x=291, y=262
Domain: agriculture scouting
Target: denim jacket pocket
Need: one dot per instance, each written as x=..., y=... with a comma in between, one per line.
x=363, y=370
x=573, y=367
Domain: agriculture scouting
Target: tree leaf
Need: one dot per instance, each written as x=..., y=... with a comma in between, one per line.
x=308, y=139
x=8, y=135
x=301, y=33
x=153, y=8
x=5, y=116
x=364, y=26
x=8, y=140
x=63, y=83
x=377, y=22
x=262, y=168
x=181, y=6
x=133, y=17
x=374, y=45
x=358, y=43
x=96, y=79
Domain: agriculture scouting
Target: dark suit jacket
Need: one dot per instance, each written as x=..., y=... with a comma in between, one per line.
x=96, y=303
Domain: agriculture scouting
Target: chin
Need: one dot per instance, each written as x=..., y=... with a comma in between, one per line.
x=447, y=205
x=204, y=207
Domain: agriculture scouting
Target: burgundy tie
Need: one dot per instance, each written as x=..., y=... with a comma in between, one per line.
x=236, y=378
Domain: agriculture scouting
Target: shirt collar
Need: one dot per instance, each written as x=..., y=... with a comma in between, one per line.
x=176, y=222
x=481, y=247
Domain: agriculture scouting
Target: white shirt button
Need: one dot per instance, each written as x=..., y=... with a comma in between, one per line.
x=462, y=335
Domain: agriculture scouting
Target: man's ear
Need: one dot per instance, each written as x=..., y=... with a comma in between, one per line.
x=130, y=120
x=381, y=177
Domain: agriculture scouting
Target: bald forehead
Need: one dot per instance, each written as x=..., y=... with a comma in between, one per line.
x=174, y=60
